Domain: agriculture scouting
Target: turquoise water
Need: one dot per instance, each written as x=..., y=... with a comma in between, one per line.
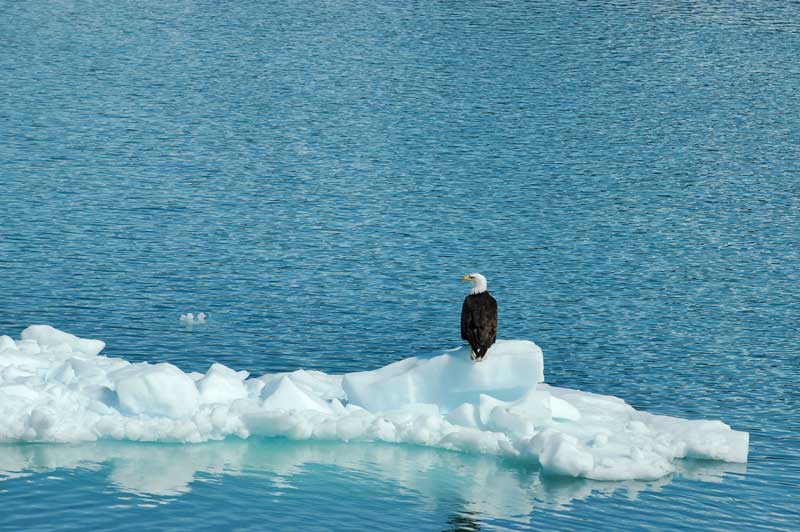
x=318, y=176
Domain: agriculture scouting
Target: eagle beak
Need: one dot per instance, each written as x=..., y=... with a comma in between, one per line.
x=466, y=278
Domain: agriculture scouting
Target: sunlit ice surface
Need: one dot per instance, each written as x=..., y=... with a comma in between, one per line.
x=56, y=387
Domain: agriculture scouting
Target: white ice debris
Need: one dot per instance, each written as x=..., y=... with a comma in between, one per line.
x=191, y=319
x=56, y=387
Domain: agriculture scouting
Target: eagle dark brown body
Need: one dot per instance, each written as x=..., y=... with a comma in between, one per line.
x=479, y=323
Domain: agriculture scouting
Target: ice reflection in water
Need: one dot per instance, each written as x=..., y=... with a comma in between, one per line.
x=484, y=486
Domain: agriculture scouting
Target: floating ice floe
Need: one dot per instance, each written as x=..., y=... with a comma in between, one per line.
x=191, y=319
x=55, y=387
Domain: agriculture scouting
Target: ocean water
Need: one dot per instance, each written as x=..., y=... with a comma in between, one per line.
x=317, y=177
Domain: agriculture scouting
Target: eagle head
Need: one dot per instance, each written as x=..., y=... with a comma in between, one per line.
x=478, y=282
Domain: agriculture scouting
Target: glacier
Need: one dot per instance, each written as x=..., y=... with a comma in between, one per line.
x=56, y=387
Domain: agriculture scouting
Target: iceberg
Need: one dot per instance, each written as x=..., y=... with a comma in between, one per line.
x=56, y=387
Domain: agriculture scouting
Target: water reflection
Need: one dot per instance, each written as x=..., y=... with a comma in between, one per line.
x=482, y=485
x=463, y=522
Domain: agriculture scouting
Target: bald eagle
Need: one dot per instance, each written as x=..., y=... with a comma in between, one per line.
x=479, y=317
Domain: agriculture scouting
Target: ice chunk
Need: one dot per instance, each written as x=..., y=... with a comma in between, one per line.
x=156, y=390
x=7, y=343
x=47, y=336
x=284, y=394
x=222, y=385
x=712, y=440
x=315, y=383
x=57, y=387
x=190, y=319
x=509, y=370
x=562, y=454
x=465, y=415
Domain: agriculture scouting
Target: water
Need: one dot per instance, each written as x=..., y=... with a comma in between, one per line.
x=317, y=178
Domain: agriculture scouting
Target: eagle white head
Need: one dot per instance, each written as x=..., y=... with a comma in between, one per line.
x=478, y=282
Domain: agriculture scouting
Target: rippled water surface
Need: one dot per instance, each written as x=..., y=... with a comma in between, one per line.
x=317, y=176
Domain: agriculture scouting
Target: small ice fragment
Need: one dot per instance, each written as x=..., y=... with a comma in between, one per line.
x=191, y=319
